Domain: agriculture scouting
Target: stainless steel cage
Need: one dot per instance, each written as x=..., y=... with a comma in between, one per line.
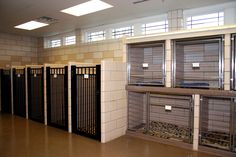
x=217, y=123
x=147, y=63
x=162, y=116
x=198, y=63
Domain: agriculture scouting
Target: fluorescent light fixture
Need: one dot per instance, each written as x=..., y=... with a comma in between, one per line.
x=87, y=8
x=31, y=25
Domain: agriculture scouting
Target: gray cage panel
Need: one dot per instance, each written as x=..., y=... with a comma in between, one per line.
x=215, y=122
x=156, y=121
x=154, y=55
x=208, y=54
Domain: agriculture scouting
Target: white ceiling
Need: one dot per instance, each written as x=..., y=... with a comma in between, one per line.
x=14, y=12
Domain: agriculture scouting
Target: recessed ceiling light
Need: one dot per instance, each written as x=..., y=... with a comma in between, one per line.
x=31, y=25
x=87, y=8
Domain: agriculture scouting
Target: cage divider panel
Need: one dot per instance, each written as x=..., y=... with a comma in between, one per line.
x=57, y=97
x=36, y=94
x=19, y=97
x=6, y=91
x=86, y=110
x=198, y=63
x=147, y=114
x=153, y=55
x=217, y=123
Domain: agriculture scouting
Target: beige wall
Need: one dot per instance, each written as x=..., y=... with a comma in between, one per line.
x=94, y=52
x=17, y=50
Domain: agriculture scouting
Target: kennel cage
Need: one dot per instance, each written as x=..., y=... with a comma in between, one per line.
x=57, y=97
x=35, y=82
x=198, y=63
x=217, y=123
x=19, y=95
x=233, y=62
x=147, y=64
x=5, y=75
x=86, y=104
x=162, y=116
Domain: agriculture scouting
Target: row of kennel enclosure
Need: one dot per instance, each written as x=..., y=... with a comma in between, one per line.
x=196, y=63
x=85, y=96
x=162, y=116
x=5, y=76
x=176, y=116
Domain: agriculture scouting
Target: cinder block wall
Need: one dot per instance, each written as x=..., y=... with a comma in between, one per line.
x=93, y=52
x=17, y=50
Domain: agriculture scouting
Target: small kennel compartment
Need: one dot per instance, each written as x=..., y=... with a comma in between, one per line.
x=19, y=95
x=35, y=77
x=198, y=63
x=86, y=104
x=57, y=97
x=147, y=64
x=163, y=116
x=233, y=62
x=217, y=123
x=5, y=75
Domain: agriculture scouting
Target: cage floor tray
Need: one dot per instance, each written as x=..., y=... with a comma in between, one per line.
x=166, y=131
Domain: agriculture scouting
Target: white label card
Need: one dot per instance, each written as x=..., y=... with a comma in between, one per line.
x=145, y=65
x=195, y=65
x=86, y=76
x=18, y=75
x=168, y=107
x=55, y=75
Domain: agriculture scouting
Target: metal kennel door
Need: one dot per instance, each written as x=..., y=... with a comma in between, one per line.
x=6, y=90
x=36, y=94
x=19, y=92
x=86, y=110
x=57, y=97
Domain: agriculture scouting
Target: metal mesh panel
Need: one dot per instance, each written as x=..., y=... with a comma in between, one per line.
x=198, y=63
x=35, y=94
x=215, y=120
x=57, y=96
x=86, y=104
x=19, y=92
x=6, y=90
x=152, y=54
x=165, y=116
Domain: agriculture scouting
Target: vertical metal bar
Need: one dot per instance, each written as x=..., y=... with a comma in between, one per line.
x=29, y=92
x=98, y=102
x=66, y=97
x=148, y=111
x=73, y=98
x=48, y=84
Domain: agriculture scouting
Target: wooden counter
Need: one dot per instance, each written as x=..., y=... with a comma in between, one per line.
x=180, y=91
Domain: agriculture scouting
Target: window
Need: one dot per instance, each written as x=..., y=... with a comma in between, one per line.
x=207, y=20
x=124, y=31
x=96, y=36
x=70, y=40
x=55, y=43
x=155, y=27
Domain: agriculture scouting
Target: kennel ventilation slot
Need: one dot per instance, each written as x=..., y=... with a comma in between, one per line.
x=147, y=64
x=217, y=123
x=147, y=114
x=198, y=63
x=5, y=75
x=36, y=93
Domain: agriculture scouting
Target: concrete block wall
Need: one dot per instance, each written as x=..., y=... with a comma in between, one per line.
x=113, y=100
x=95, y=52
x=17, y=50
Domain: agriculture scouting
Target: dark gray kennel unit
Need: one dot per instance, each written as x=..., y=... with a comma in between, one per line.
x=217, y=122
x=198, y=63
x=57, y=97
x=19, y=93
x=86, y=103
x=233, y=61
x=5, y=76
x=147, y=63
x=163, y=116
x=35, y=77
